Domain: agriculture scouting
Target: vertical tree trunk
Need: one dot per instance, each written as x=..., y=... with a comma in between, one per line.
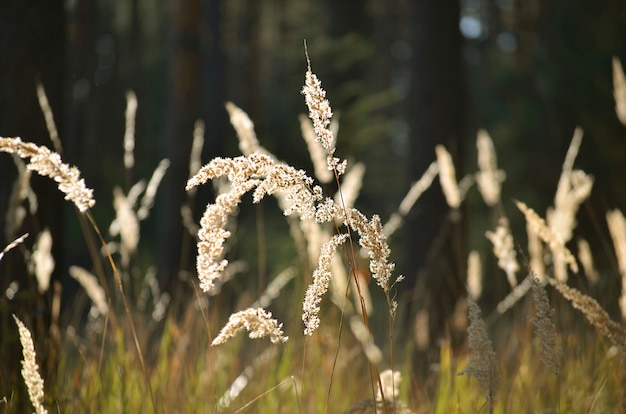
x=437, y=115
x=32, y=38
x=183, y=110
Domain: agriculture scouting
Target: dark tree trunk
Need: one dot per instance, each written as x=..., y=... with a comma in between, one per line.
x=184, y=65
x=437, y=116
x=32, y=47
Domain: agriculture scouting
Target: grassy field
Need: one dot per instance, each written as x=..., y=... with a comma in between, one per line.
x=331, y=342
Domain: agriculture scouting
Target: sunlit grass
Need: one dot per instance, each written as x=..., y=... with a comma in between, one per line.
x=131, y=356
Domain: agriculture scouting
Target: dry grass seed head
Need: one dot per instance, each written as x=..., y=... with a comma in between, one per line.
x=447, y=177
x=321, y=281
x=586, y=259
x=594, y=313
x=372, y=238
x=316, y=151
x=414, y=193
x=49, y=117
x=539, y=227
x=320, y=114
x=482, y=360
x=30, y=369
x=127, y=225
x=89, y=282
x=147, y=202
x=489, y=178
x=49, y=164
x=619, y=90
x=551, y=352
x=248, y=142
x=504, y=250
x=617, y=227
x=42, y=260
x=256, y=172
x=129, y=133
x=21, y=191
x=257, y=322
x=351, y=186
x=474, y=275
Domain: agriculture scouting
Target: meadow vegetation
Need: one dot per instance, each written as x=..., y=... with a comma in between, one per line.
x=555, y=342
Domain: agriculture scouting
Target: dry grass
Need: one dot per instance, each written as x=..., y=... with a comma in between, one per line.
x=311, y=363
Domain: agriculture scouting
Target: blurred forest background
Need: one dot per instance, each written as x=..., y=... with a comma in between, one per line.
x=402, y=76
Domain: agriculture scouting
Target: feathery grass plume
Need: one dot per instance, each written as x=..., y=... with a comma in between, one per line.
x=49, y=117
x=13, y=244
x=617, y=227
x=551, y=352
x=390, y=382
x=414, y=193
x=316, y=151
x=129, y=133
x=135, y=191
x=594, y=313
x=489, y=178
x=573, y=189
x=30, y=369
x=261, y=173
x=42, y=260
x=372, y=239
x=535, y=251
x=447, y=177
x=320, y=114
x=195, y=163
x=20, y=192
x=364, y=336
x=89, y=282
x=504, y=250
x=127, y=225
x=49, y=164
x=148, y=197
x=248, y=142
x=351, y=185
x=482, y=360
x=619, y=90
x=539, y=227
x=195, y=157
x=586, y=259
x=321, y=282
x=256, y=321
x=474, y=275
